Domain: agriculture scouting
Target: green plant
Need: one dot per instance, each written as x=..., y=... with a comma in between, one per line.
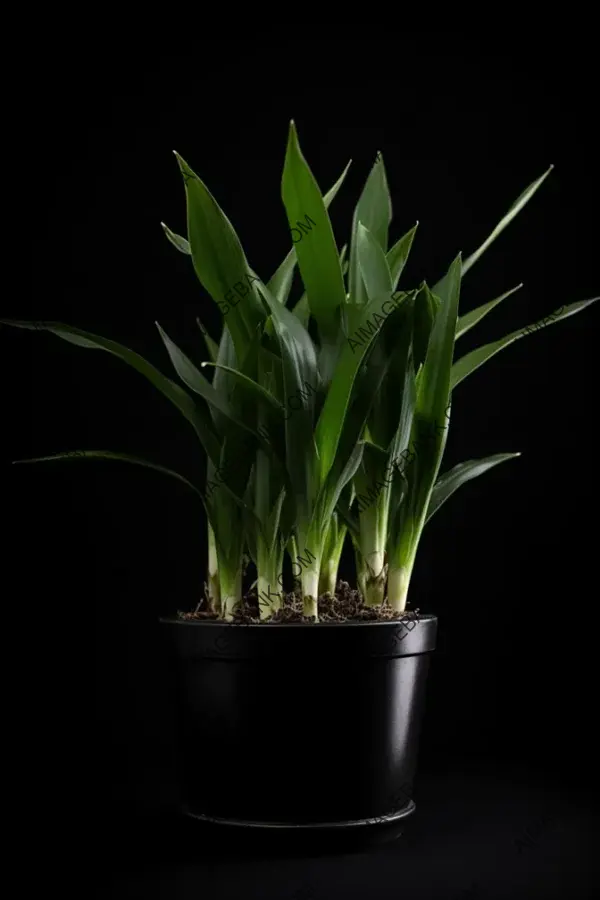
x=359, y=452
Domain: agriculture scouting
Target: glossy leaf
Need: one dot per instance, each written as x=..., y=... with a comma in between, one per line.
x=316, y=250
x=516, y=208
x=459, y=475
x=472, y=361
x=195, y=380
x=374, y=212
x=219, y=260
x=182, y=244
x=397, y=256
x=470, y=319
x=211, y=346
x=184, y=403
x=120, y=457
x=280, y=283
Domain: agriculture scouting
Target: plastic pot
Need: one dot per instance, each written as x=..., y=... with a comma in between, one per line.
x=301, y=729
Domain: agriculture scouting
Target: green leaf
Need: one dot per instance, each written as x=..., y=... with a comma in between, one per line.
x=219, y=260
x=184, y=403
x=211, y=346
x=181, y=243
x=430, y=420
x=259, y=392
x=459, y=475
x=398, y=255
x=194, y=379
x=121, y=457
x=472, y=361
x=300, y=373
x=316, y=251
x=281, y=282
x=426, y=309
x=517, y=206
x=472, y=318
x=331, y=419
x=374, y=211
x=374, y=270
x=434, y=386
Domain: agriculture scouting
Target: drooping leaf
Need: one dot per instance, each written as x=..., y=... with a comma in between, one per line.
x=259, y=392
x=459, y=475
x=184, y=403
x=120, y=457
x=472, y=361
x=195, y=380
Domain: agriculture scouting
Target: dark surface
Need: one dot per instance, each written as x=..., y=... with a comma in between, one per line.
x=93, y=552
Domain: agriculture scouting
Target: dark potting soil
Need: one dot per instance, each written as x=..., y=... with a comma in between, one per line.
x=343, y=606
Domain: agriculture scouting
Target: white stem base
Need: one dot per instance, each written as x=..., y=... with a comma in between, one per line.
x=269, y=596
x=310, y=592
x=398, y=581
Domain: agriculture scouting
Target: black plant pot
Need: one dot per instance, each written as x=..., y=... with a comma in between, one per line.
x=309, y=730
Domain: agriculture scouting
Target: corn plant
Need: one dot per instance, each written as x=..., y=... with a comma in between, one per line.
x=325, y=419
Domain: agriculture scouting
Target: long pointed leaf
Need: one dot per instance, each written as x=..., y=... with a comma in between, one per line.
x=184, y=403
x=374, y=211
x=398, y=255
x=333, y=414
x=211, y=346
x=194, y=379
x=459, y=475
x=280, y=283
x=182, y=244
x=472, y=361
x=317, y=253
x=470, y=319
x=219, y=260
x=517, y=206
x=120, y=457
x=258, y=390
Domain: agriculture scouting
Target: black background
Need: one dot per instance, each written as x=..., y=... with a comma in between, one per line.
x=95, y=551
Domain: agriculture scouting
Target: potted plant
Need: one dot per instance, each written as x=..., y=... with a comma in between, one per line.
x=322, y=422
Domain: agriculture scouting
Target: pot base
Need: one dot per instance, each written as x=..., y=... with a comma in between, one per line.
x=317, y=837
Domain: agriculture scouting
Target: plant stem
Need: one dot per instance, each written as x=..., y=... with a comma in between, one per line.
x=373, y=529
x=214, y=585
x=231, y=591
x=310, y=591
x=375, y=583
x=330, y=561
x=398, y=582
x=269, y=592
x=328, y=577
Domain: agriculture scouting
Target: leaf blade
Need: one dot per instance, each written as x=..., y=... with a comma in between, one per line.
x=466, y=322
x=476, y=358
x=450, y=482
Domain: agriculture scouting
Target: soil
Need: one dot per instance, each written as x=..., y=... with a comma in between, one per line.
x=346, y=605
